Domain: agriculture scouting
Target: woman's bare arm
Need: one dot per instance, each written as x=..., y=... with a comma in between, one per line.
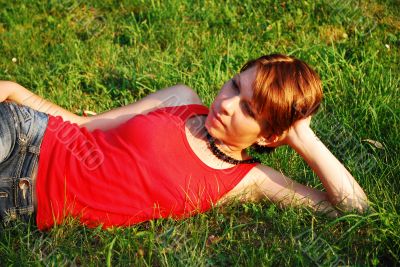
x=342, y=190
x=263, y=182
x=14, y=92
x=173, y=96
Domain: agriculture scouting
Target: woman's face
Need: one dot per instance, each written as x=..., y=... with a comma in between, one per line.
x=232, y=116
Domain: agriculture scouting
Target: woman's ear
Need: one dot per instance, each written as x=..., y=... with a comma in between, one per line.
x=261, y=141
x=273, y=140
x=268, y=141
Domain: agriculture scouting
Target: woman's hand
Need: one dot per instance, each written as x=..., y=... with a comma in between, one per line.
x=293, y=135
x=297, y=131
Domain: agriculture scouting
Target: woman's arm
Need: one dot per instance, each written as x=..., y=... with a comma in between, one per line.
x=172, y=96
x=14, y=92
x=263, y=182
x=342, y=189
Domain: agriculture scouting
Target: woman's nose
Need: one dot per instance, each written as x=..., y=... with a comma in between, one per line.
x=229, y=104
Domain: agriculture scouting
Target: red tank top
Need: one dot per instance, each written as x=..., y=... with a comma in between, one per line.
x=141, y=170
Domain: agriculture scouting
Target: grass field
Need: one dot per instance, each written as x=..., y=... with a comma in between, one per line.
x=97, y=55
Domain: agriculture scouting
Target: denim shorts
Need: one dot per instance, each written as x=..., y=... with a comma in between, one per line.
x=21, y=134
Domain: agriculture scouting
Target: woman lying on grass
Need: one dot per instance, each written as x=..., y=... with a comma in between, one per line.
x=167, y=155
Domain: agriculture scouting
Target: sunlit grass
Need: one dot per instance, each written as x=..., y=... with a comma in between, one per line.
x=98, y=55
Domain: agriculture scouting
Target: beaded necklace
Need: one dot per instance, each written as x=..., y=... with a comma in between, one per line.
x=222, y=156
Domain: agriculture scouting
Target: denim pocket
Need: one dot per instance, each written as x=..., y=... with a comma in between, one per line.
x=15, y=198
x=6, y=197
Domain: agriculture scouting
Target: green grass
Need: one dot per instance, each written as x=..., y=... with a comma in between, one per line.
x=98, y=55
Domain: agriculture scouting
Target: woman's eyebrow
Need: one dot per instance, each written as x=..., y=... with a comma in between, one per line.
x=240, y=87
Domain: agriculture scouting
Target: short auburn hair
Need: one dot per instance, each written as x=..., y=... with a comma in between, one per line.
x=285, y=90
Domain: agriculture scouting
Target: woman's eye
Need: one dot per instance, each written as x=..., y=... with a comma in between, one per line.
x=247, y=109
x=234, y=84
x=245, y=105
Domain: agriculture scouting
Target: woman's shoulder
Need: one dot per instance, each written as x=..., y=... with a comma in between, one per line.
x=179, y=101
x=180, y=95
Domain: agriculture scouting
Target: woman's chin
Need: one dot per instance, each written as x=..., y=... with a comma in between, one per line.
x=210, y=129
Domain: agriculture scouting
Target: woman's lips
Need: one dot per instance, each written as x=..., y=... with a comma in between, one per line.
x=217, y=117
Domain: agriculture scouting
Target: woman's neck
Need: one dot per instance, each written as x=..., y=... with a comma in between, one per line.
x=197, y=138
x=231, y=151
